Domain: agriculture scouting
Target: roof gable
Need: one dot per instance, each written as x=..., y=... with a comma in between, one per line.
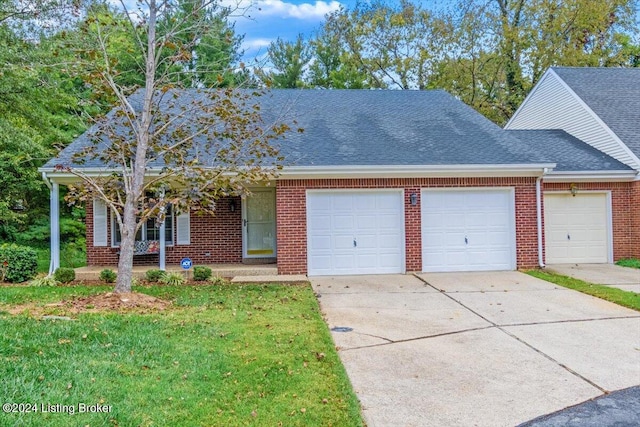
x=611, y=93
x=555, y=103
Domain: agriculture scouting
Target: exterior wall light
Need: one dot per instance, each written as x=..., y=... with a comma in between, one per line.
x=573, y=188
x=232, y=205
x=414, y=199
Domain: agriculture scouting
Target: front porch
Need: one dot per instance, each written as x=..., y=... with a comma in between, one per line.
x=237, y=273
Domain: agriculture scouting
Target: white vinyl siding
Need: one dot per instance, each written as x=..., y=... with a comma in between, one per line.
x=577, y=228
x=355, y=232
x=99, y=223
x=183, y=229
x=468, y=230
x=551, y=105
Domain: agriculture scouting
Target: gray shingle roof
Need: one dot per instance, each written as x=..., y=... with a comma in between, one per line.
x=568, y=152
x=387, y=128
x=613, y=94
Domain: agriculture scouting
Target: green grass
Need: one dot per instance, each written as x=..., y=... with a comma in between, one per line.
x=228, y=356
x=629, y=262
x=615, y=295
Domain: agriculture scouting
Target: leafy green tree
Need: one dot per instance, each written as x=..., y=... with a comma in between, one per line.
x=393, y=45
x=332, y=66
x=498, y=49
x=289, y=61
x=39, y=110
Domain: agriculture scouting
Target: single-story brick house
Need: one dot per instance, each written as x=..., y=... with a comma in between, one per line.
x=389, y=182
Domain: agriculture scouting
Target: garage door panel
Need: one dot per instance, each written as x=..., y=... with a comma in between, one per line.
x=474, y=230
x=374, y=219
x=342, y=222
x=576, y=228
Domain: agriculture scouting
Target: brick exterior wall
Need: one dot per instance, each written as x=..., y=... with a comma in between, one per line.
x=219, y=236
x=635, y=220
x=625, y=207
x=292, y=227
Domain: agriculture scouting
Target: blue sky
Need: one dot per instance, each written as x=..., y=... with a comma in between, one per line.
x=269, y=19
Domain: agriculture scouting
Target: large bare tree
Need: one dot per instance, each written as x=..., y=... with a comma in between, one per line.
x=172, y=140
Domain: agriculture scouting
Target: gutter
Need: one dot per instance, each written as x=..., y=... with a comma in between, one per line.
x=592, y=176
x=539, y=218
x=417, y=171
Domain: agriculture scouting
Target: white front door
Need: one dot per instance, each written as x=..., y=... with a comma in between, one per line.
x=468, y=230
x=355, y=232
x=259, y=224
x=576, y=228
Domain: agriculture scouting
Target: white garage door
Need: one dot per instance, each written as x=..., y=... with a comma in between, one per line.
x=576, y=228
x=355, y=232
x=468, y=230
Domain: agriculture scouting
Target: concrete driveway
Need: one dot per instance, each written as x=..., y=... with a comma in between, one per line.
x=476, y=349
x=624, y=278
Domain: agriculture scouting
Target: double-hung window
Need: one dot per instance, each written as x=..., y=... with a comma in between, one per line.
x=150, y=230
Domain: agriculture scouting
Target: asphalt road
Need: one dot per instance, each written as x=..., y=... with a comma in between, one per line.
x=619, y=409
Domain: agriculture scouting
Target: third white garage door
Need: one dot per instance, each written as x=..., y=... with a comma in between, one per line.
x=355, y=232
x=468, y=230
x=576, y=228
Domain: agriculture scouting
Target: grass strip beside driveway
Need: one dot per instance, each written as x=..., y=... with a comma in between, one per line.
x=629, y=262
x=618, y=296
x=221, y=355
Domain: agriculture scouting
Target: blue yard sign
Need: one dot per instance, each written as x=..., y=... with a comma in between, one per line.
x=186, y=263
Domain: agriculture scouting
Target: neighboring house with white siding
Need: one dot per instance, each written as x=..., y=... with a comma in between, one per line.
x=600, y=106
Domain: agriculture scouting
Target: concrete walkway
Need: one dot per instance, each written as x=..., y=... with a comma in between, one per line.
x=624, y=278
x=476, y=349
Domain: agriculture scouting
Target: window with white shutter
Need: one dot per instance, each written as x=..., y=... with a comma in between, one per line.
x=183, y=229
x=99, y=223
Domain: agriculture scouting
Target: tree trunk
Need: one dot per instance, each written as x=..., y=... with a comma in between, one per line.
x=127, y=245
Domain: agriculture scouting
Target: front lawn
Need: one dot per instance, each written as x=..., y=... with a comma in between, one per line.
x=615, y=295
x=220, y=355
x=629, y=262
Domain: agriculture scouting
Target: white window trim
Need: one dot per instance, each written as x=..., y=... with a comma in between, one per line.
x=144, y=229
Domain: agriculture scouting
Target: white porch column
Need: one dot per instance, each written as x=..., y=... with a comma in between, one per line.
x=54, y=205
x=163, y=244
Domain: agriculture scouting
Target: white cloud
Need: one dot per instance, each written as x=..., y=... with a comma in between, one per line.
x=306, y=11
x=255, y=44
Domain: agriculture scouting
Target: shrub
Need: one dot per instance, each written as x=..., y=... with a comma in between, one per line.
x=201, y=273
x=44, y=281
x=64, y=274
x=17, y=263
x=154, y=275
x=173, y=279
x=107, y=275
x=218, y=281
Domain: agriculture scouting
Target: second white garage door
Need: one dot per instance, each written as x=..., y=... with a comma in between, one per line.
x=468, y=230
x=355, y=232
x=576, y=228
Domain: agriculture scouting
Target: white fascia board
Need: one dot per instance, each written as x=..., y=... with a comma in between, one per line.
x=63, y=177
x=402, y=171
x=592, y=176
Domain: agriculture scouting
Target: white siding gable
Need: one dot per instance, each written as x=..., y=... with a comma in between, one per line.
x=553, y=105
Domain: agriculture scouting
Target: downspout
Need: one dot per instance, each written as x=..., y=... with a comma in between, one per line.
x=539, y=217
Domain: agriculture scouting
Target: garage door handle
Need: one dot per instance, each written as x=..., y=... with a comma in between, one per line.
x=355, y=244
x=466, y=241
x=568, y=237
